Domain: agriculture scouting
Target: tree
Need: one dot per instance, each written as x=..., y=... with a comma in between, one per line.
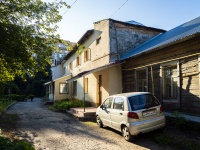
x=27, y=36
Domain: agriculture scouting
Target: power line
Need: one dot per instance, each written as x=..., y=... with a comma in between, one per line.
x=119, y=8
x=69, y=8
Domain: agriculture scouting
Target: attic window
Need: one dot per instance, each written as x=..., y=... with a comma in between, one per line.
x=98, y=40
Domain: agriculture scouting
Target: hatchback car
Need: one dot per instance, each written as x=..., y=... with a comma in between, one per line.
x=131, y=113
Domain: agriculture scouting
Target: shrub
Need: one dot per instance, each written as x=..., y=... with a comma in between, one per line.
x=31, y=97
x=4, y=105
x=67, y=104
x=7, y=144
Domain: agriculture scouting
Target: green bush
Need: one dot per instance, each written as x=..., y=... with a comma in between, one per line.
x=30, y=96
x=17, y=97
x=7, y=144
x=3, y=99
x=67, y=104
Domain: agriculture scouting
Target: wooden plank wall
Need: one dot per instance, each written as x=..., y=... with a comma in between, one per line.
x=189, y=74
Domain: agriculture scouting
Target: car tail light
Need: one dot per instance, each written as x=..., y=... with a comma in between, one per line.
x=161, y=109
x=133, y=115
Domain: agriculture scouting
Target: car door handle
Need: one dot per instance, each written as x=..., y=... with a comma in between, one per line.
x=121, y=113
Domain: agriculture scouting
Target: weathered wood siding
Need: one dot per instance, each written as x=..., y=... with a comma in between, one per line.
x=190, y=85
x=187, y=54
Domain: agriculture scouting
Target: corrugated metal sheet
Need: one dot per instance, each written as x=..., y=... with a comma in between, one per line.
x=172, y=36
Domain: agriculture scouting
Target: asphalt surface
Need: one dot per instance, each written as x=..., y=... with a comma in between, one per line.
x=48, y=130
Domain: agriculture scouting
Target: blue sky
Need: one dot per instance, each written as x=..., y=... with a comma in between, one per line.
x=163, y=14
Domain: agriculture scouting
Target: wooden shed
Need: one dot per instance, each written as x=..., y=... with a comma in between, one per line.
x=167, y=65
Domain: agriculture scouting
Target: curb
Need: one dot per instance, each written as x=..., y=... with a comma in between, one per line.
x=1, y=113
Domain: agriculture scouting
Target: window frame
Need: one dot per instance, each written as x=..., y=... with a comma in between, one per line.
x=137, y=81
x=66, y=86
x=98, y=40
x=162, y=66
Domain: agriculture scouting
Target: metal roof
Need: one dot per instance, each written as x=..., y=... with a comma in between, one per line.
x=182, y=32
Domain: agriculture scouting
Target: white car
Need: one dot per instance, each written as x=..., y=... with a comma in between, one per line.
x=131, y=113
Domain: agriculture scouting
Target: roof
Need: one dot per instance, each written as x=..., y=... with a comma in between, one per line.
x=131, y=94
x=84, y=73
x=81, y=41
x=178, y=34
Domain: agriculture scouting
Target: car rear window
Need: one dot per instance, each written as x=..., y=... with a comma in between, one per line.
x=143, y=101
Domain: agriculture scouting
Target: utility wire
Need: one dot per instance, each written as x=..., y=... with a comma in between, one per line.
x=69, y=8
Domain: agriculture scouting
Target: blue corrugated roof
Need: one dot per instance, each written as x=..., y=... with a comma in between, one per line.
x=181, y=32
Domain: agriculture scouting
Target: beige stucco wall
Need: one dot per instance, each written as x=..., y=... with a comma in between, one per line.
x=111, y=84
x=57, y=94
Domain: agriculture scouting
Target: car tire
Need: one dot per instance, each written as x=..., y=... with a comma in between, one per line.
x=126, y=134
x=99, y=122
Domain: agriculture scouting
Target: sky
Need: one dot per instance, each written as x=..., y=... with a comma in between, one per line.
x=162, y=14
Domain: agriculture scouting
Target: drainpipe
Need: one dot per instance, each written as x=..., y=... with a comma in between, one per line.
x=152, y=80
x=84, y=93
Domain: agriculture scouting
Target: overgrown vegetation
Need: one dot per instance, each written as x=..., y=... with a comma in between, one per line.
x=177, y=142
x=67, y=104
x=181, y=133
x=4, y=104
x=8, y=144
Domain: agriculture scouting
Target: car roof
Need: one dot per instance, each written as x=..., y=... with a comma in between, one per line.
x=130, y=94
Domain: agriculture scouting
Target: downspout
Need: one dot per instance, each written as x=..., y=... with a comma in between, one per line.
x=152, y=80
x=84, y=93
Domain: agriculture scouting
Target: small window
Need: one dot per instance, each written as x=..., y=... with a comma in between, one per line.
x=63, y=88
x=86, y=85
x=71, y=66
x=74, y=88
x=85, y=55
x=118, y=103
x=77, y=61
x=98, y=40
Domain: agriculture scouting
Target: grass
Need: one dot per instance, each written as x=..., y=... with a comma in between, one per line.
x=177, y=142
x=4, y=105
x=184, y=127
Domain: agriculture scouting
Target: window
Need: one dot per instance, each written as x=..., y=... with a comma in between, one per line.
x=107, y=103
x=86, y=55
x=63, y=88
x=74, y=88
x=86, y=85
x=78, y=61
x=98, y=40
x=141, y=79
x=170, y=81
x=71, y=66
x=118, y=103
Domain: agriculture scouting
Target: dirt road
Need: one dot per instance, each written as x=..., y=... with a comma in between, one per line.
x=48, y=130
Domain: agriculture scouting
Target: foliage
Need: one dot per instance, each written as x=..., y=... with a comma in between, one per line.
x=177, y=142
x=4, y=104
x=27, y=36
x=67, y=104
x=7, y=144
x=31, y=96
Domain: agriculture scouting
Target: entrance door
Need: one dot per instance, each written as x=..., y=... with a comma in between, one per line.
x=100, y=89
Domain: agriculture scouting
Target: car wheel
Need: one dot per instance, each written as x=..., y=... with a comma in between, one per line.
x=126, y=134
x=99, y=122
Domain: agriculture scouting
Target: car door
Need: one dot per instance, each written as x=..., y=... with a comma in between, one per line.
x=117, y=113
x=104, y=112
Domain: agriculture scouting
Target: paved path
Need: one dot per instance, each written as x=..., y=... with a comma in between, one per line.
x=57, y=131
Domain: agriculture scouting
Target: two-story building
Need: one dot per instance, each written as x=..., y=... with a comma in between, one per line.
x=96, y=72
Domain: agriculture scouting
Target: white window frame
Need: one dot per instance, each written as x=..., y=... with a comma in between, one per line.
x=63, y=88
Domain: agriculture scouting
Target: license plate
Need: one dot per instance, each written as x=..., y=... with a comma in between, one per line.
x=149, y=113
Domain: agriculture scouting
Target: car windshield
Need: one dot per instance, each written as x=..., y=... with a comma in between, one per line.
x=143, y=101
